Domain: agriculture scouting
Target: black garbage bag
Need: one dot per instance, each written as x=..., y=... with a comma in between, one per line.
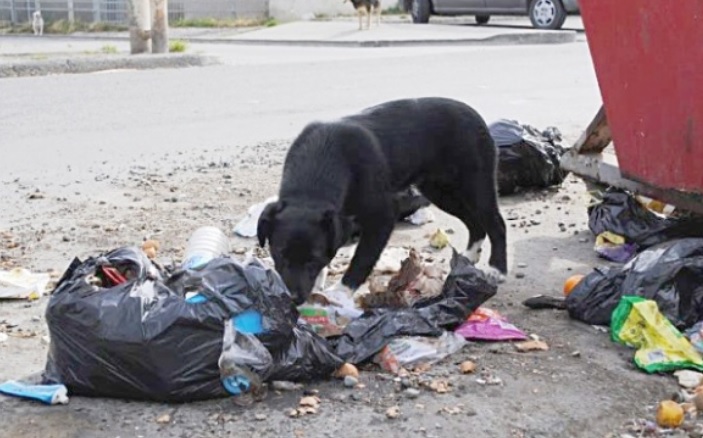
x=670, y=273
x=527, y=158
x=620, y=213
x=465, y=289
x=120, y=327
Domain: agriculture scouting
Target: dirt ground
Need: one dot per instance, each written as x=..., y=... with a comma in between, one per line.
x=584, y=386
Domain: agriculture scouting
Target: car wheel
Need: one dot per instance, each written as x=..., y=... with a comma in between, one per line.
x=420, y=11
x=482, y=19
x=547, y=14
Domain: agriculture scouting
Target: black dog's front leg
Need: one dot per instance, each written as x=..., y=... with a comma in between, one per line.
x=374, y=237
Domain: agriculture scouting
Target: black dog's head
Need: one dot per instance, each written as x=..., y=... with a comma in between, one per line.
x=302, y=241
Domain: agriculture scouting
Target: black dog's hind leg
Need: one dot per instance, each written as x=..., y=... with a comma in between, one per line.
x=482, y=199
x=377, y=225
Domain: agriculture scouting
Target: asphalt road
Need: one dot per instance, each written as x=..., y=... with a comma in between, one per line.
x=268, y=92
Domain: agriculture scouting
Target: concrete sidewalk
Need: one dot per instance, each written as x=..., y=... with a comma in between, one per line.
x=344, y=33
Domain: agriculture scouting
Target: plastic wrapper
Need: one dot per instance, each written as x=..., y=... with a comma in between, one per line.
x=613, y=247
x=489, y=325
x=670, y=273
x=527, y=158
x=621, y=214
x=464, y=290
x=638, y=323
x=408, y=351
x=140, y=339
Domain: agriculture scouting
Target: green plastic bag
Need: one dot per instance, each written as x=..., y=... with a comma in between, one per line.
x=637, y=322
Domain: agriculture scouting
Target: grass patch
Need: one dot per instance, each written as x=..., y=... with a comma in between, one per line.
x=108, y=49
x=395, y=10
x=177, y=46
x=63, y=27
x=227, y=22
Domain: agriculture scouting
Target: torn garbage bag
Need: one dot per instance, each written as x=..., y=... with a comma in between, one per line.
x=465, y=289
x=670, y=273
x=140, y=339
x=527, y=158
x=621, y=214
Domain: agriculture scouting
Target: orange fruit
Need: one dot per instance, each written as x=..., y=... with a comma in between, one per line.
x=571, y=283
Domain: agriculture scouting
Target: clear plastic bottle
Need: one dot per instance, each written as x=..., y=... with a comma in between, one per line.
x=205, y=244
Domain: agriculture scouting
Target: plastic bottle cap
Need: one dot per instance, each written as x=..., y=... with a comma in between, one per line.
x=236, y=385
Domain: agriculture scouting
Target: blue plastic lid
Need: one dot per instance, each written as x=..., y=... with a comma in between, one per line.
x=236, y=385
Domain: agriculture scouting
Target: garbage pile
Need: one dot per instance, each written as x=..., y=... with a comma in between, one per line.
x=527, y=157
x=123, y=325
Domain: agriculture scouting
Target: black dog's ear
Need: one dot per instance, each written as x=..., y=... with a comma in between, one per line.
x=338, y=229
x=264, y=228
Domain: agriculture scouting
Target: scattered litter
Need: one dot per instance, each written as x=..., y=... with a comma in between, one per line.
x=464, y=290
x=414, y=282
x=151, y=248
x=613, y=247
x=248, y=225
x=527, y=158
x=695, y=336
x=571, y=283
x=467, y=367
x=164, y=419
x=307, y=406
x=350, y=381
x=451, y=410
x=285, y=386
x=3, y=337
x=408, y=351
x=488, y=325
x=670, y=414
x=347, y=370
x=326, y=321
x=534, y=345
x=391, y=260
x=638, y=323
x=440, y=386
x=439, y=239
x=22, y=284
x=47, y=394
x=423, y=216
x=309, y=402
x=670, y=273
x=688, y=379
x=393, y=412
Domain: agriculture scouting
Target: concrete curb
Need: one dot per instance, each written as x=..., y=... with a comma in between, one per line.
x=528, y=37
x=560, y=37
x=66, y=65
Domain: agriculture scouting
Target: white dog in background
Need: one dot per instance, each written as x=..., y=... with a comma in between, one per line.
x=37, y=23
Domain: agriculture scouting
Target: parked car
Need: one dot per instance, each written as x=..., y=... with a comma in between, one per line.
x=544, y=14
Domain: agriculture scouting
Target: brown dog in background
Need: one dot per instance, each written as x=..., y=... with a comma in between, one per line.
x=367, y=7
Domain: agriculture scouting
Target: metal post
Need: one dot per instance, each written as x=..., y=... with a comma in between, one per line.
x=71, y=11
x=139, y=26
x=159, y=26
x=13, y=12
x=96, y=11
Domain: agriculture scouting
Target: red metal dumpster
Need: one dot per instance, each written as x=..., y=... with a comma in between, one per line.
x=648, y=58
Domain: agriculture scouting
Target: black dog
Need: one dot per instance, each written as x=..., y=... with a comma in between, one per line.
x=347, y=172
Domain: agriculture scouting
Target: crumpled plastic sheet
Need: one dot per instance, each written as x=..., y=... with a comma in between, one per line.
x=465, y=289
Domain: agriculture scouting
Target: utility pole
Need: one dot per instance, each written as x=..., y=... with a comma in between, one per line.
x=139, y=26
x=159, y=26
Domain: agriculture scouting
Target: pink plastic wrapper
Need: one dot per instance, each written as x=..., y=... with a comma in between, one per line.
x=489, y=325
